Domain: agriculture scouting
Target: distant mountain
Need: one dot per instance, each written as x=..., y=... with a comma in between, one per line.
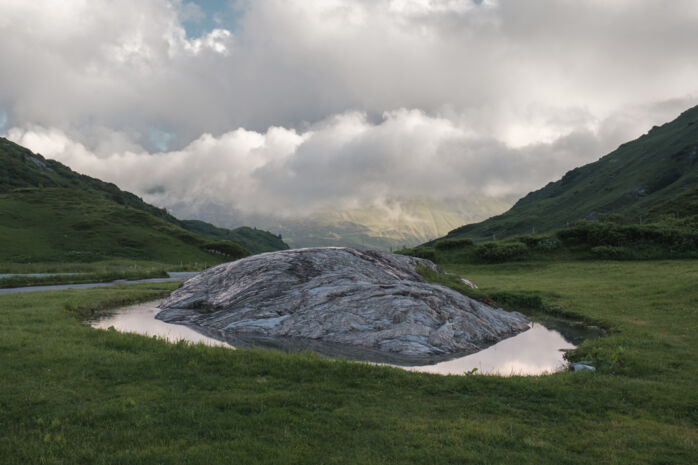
x=391, y=224
x=50, y=213
x=654, y=175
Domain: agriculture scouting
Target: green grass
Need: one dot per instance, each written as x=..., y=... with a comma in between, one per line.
x=106, y=266
x=72, y=394
x=22, y=169
x=72, y=225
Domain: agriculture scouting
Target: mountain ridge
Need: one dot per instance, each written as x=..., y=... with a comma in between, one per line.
x=635, y=181
x=50, y=213
x=21, y=168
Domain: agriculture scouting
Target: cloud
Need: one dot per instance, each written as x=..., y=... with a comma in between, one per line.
x=339, y=162
x=306, y=103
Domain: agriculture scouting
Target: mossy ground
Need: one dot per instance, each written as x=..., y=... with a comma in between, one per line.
x=72, y=394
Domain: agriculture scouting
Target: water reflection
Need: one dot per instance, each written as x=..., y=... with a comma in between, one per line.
x=536, y=351
x=140, y=319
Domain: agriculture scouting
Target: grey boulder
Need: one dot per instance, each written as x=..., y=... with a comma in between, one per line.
x=358, y=302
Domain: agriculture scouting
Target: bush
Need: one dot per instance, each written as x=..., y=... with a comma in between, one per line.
x=545, y=243
x=501, y=251
x=450, y=244
x=548, y=243
x=421, y=252
x=610, y=252
x=596, y=234
x=226, y=248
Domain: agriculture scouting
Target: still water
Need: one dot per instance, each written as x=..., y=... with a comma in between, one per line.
x=536, y=351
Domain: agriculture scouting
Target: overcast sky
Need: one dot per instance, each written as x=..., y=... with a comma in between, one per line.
x=282, y=105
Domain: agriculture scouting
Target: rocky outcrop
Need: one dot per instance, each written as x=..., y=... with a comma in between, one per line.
x=367, y=300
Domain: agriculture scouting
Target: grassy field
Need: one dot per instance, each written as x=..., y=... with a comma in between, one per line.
x=104, y=266
x=71, y=394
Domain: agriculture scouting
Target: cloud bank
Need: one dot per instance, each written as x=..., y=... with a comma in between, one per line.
x=305, y=104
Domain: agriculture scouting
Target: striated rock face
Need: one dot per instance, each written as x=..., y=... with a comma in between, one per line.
x=368, y=300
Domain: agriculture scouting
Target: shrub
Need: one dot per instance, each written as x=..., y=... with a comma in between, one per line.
x=226, y=248
x=421, y=252
x=609, y=251
x=595, y=234
x=548, y=243
x=545, y=243
x=449, y=244
x=501, y=251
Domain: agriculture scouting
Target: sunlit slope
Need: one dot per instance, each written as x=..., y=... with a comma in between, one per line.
x=400, y=222
x=647, y=176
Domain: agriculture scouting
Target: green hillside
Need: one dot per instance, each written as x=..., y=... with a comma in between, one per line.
x=20, y=168
x=49, y=213
x=71, y=225
x=642, y=180
x=253, y=239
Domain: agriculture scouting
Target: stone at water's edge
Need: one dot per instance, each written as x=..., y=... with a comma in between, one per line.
x=370, y=299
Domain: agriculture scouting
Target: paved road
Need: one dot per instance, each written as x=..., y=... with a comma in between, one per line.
x=175, y=276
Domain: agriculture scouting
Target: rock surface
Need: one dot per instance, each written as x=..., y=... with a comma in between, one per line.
x=364, y=299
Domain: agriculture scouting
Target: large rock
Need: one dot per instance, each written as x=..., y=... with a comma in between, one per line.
x=366, y=302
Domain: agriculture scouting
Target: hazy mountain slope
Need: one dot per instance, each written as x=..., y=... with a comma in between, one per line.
x=635, y=180
x=19, y=167
x=393, y=224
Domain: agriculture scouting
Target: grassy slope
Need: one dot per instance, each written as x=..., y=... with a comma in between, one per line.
x=71, y=394
x=252, y=239
x=73, y=225
x=20, y=168
x=639, y=176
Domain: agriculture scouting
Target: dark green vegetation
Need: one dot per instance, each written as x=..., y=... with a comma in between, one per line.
x=121, y=267
x=71, y=394
x=49, y=213
x=607, y=238
x=252, y=239
x=649, y=179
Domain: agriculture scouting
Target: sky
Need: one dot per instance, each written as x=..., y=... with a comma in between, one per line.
x=283, y=107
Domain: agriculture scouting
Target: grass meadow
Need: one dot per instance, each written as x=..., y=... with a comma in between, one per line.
x=70, y=394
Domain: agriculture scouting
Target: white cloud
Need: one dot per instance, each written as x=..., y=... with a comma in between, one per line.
x=363, y=98
x=339, y=162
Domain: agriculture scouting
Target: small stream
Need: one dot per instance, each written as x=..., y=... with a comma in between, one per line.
x=536, y=351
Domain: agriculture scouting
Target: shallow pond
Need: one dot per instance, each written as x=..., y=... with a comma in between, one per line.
x=536, y=351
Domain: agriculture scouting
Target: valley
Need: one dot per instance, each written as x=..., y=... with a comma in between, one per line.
x=313, y=248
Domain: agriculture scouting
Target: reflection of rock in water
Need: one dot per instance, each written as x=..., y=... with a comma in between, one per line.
x=336, y=297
